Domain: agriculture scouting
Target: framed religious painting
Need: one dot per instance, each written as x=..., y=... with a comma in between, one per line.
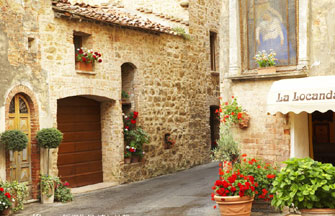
x=269, y=25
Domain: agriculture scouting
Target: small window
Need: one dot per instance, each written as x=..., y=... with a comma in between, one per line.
x=78, y=42
x=212, y=39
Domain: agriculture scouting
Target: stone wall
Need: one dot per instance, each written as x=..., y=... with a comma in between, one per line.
x=174, y=87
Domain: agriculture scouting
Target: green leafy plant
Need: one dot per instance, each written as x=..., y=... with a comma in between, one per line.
x=62, y=192
x=264, y=174
x=5, y=199
x=49, y=138
x=227, y=148
x=19, y=192
x=263, y=59
x=124, y=95
x=181, y=32
x=47, y=184
x=305, y=184
x=136, y=138
x=127, y=154
x=88, y=56
x=14, y=140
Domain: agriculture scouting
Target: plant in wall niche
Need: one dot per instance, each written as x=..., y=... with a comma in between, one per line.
x=19, y=192
x=5, y=201
x=124, y=95
x=14, y=140
x=305, y=184
x=88, y=56
x=169, y=142
x=181, y=32
x=134, y=137
x=62, y=192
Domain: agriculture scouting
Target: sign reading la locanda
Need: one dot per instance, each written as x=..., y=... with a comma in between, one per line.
x=295, y=96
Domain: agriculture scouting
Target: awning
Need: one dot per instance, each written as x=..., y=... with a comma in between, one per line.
x=302, y=95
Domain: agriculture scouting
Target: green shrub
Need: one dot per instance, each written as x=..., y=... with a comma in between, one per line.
x=305, y=184
x=49, y=138
x=47, y=184
x=14, y=140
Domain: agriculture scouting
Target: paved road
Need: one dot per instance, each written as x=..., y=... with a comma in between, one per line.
x=185, y=193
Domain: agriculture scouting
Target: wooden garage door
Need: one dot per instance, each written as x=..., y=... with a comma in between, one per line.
x=79, y=156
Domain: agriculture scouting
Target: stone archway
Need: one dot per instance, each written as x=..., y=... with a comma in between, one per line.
x=27, y=120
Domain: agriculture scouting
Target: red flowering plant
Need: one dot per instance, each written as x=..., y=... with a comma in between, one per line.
x=231, y=111
x=233, y=182
x=5, y=199
x=88, y=56
x=264, y=174
x=134, y=136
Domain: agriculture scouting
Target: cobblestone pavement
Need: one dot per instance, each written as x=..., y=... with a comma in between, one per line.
x=185, y=193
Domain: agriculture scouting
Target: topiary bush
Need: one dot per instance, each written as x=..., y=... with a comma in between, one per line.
x=49, y=138
x=14, y=140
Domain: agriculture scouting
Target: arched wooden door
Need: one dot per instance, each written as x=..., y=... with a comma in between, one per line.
x=19, y=119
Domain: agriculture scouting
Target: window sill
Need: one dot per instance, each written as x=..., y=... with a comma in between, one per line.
x=86, y=72
x=281, y=73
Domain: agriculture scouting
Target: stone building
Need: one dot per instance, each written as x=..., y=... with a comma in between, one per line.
x=302, y=34
x=173, y=83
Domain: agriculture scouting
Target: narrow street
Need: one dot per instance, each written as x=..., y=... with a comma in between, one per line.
x=185, y=193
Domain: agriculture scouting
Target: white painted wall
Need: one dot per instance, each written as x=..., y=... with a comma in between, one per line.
x=299, y=135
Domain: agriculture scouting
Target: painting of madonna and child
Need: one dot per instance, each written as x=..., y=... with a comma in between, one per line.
x=271, y=25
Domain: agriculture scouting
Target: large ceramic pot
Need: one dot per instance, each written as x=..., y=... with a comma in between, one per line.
x=315, y=212
x=234, y=205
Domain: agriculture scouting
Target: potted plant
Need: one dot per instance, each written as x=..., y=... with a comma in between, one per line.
x=48, y=138
x=18, y=191
x=14, y=140
x=47, y=186
x=5, y=202
x=306, y=185
x=62, y=192
x=85, y=59
x=264, y=174
x=234, y=192
x=169, y=142
x=134, y=137
x=127, y=155
x=266, y=62
x=124, y=96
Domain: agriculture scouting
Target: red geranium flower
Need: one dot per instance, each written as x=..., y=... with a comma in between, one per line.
x=133, y=121
x=7, y=195
x=1, y=189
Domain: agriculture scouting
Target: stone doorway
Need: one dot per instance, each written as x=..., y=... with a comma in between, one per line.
x=214, y=126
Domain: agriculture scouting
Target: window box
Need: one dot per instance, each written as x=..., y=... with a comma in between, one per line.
x=83, y=66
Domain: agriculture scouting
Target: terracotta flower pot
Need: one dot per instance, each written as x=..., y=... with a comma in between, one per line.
x=6, y=212
x=244, y=123
x=263, y=206
x=135, y=159
x=266, y=70
x=127, y=160
x=83, y=66
x=315, y=212
x=234, y=205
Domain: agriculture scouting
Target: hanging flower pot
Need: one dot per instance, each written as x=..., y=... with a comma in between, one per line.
x=244, y=121
x=234, y=205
